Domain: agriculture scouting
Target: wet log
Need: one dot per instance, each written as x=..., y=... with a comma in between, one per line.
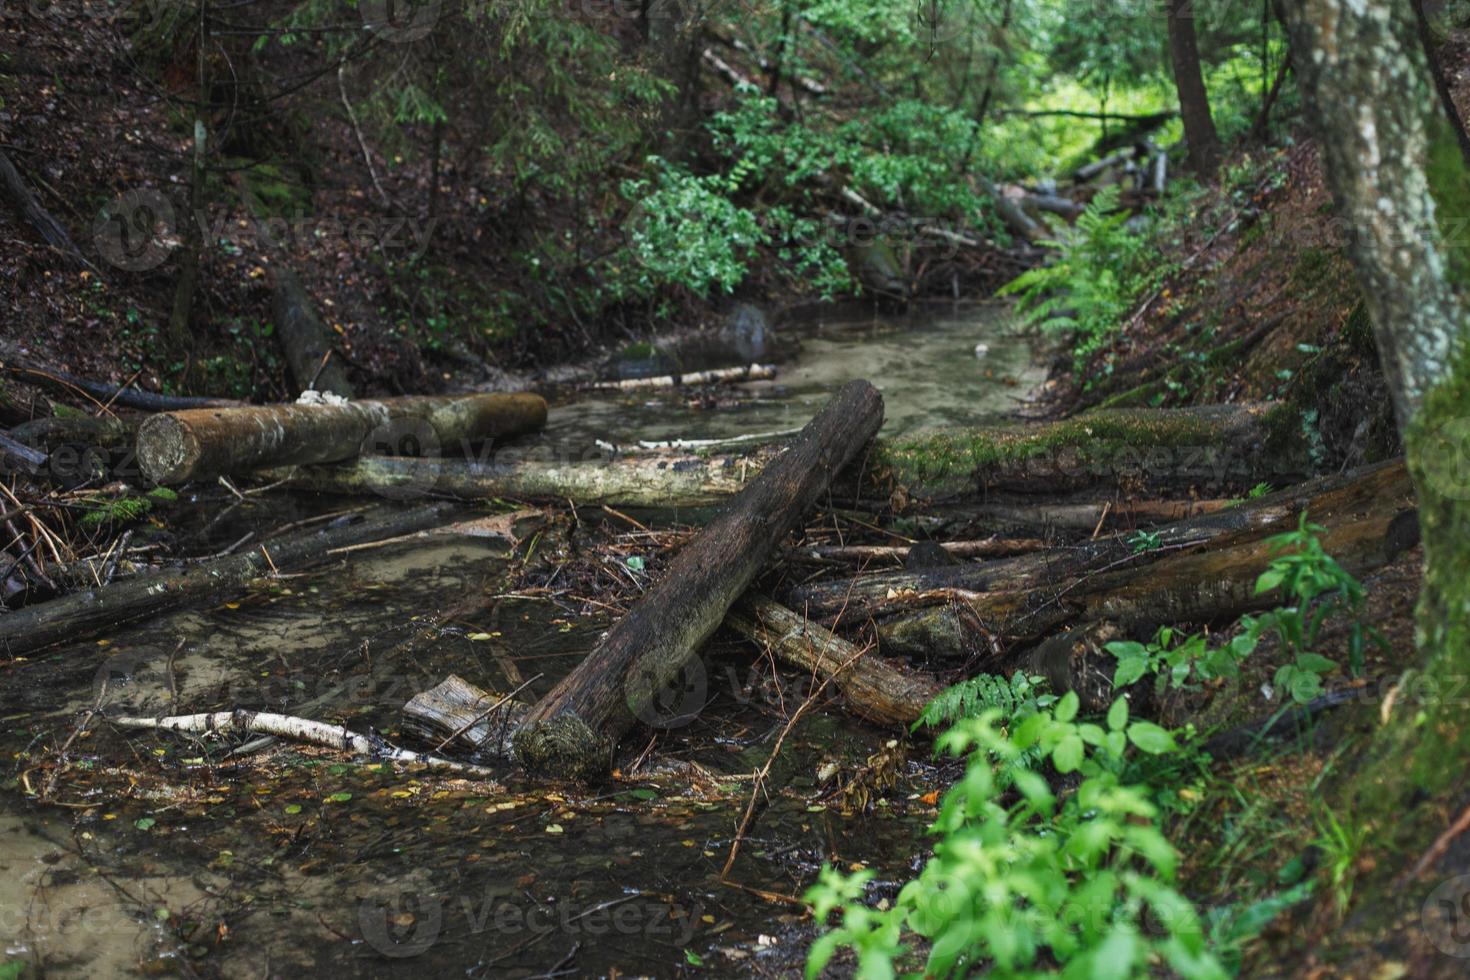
x=572, y=731
x=17, y=457
x=1089, y=517
x=1158, y=448
x=82, y=614
x=124, y=396
x=885, y=592
x=666, y=481
x=731, y=375
x=454, y=710
x=874, y=688
x=1197, y=586
x=309, y=346
x=991, y=547
x=177, y=447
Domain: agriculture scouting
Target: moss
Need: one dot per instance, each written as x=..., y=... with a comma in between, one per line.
x=1449, y=184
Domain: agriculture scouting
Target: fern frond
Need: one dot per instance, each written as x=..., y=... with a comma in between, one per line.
x=1014, y=697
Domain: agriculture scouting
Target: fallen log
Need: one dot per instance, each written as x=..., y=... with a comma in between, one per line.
x=1126, y=448
x=732, y=375
x=572, y=731
x=79, y=615
x=39, y=218
x=991, y=547
x=671, y=481
x=1198, y=586
x=876, y=689
x=124, y=396
x=177, y=447
x=309, y=346
x=302, y=730
x=1089, y=517
x=883, y=592
x=480, y=720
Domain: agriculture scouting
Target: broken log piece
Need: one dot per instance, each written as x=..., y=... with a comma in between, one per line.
x=571, y=733
x=671, y=481
x=39, y=218
x=1107, y=448
x=991, y=547
x=1088, y=517
x=81, y=614
x=1197, y=586
x=733, y=375
x=1076, y=661
x=875, y=689
x=302, y=730
x=17, y=457
x=456, y=710
x=177, y=447
x=878, y=593
x=307, y=342
x=124, y=396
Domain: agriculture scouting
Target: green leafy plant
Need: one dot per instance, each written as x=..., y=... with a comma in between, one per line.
x=1341, y=842
x=1142, y=541
x=1022, y=881
x=1086, y=289
x=1017, y=697
x=1176, y=658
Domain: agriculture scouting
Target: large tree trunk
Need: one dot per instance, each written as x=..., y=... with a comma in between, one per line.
x=1194, y=101
x=203, y=443
x=572, y=731
x=309, y=345
x=1394, y=164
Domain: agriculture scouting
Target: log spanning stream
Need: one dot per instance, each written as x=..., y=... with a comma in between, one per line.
x=166, y=853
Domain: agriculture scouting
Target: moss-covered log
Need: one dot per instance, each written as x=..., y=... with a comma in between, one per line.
x=885, y=592
x=875, y=689
x=571, y=732
x=81, y=614
x=1212, y=446
x=177, y=447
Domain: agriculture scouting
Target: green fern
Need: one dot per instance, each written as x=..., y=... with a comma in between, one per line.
x=1017, y=697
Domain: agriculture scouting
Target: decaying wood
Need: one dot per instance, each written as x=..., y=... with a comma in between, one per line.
x=177, y=447
x=992, y=547
x=480, y=720
x=17, y=457
x=731, y=375
x=1200, y=585
x=309, y=346
x=883, y=592
x=876, y=689
x=39, y=218
x=572, y=731
x=77, y=616
x=664, y=481
x=338, y=737
x=1088, y=517
x=122, y=396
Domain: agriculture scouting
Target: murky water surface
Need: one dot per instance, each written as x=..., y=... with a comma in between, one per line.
x=168, y=854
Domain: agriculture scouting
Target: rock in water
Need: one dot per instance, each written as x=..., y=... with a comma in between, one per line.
x=749, y=333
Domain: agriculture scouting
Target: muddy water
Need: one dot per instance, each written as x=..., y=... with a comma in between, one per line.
x=164, y=854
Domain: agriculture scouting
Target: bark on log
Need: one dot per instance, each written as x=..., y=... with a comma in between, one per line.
x=876, y=594
x=572, y=731
x=481, y=720
x=177, y=447
x=125, y=397
x=1088, y=517
x=671, y=481
x=1198, y=586
x=308, y=344
x=876, y=689
x=81, y=614
x=731, y=375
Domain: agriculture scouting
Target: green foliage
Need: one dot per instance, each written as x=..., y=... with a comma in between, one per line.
x=1014, y=698
x=124, y=509
x=1175, y=659
x=1341, y=841
x=1024, y=885
x=1142, y=541
x=1100, y=265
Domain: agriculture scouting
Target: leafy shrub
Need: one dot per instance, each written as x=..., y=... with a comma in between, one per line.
x=1096, y=273
x=1016, y=885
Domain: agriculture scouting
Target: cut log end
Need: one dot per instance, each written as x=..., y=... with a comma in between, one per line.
x=564, y=746
x=167, y=450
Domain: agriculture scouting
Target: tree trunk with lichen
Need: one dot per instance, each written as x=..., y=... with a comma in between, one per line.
x=1394, y=165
